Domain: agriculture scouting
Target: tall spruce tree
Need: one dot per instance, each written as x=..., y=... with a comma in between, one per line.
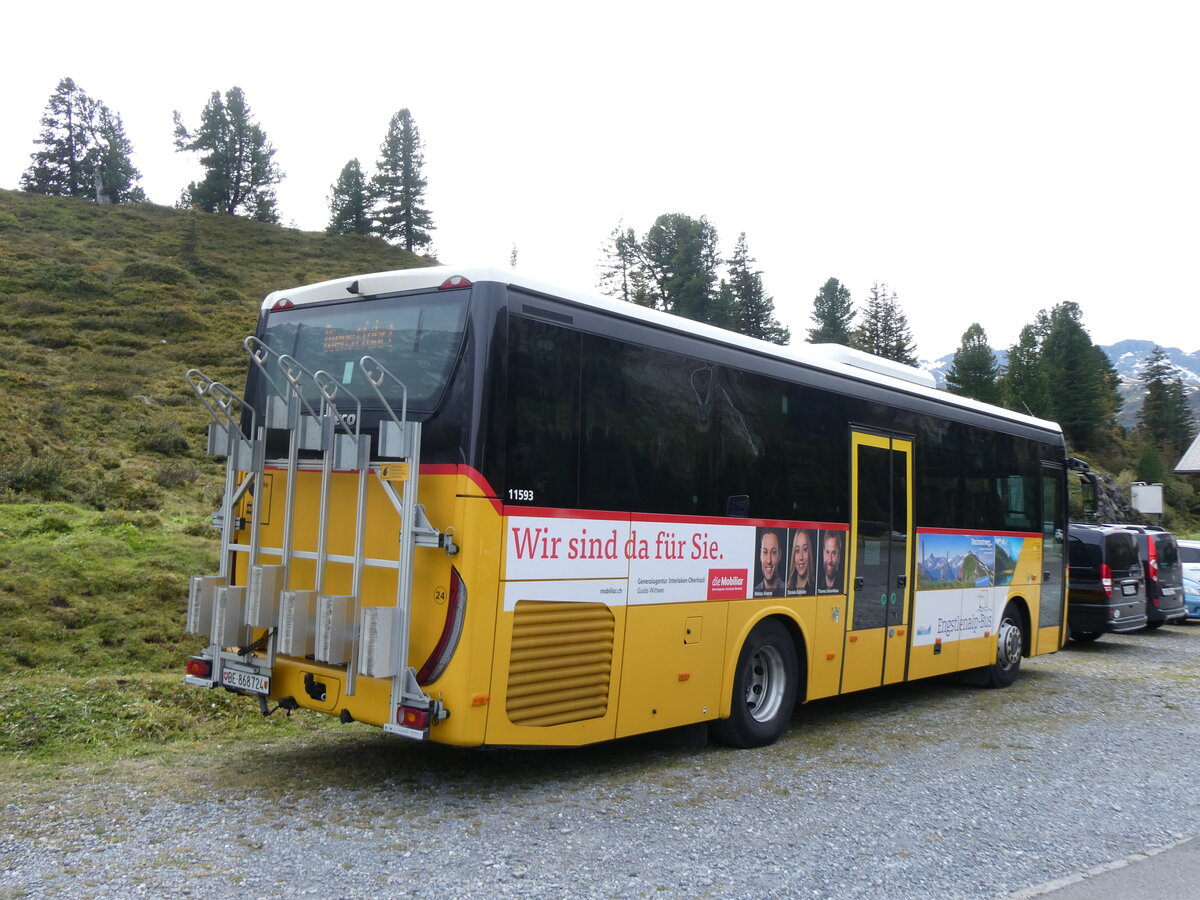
x=399, y=186
x=621, y=273
x=973, y=370
x=84, y=151
x=1024, y=386
x=680, y=258
x=1164, y=419
x=239, y=161
x=833, y=313
x=350, y=202
x=883, y=328
x=1083, y=383
x=1181, y=427
x=750, y=309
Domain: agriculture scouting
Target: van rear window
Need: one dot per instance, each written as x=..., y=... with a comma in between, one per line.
x=1122, y=551
x=1168, y=551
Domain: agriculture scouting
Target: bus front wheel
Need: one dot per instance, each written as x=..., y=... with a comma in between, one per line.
x=764, y=688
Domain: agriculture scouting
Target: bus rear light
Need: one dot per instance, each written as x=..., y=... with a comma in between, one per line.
x=282, y=303
x=451, y=631
x=1106, y=579
x=411, y=717
x=453, y=283
x=199, y=667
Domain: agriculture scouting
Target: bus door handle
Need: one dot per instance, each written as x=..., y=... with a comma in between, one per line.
x=901, y=581
x=858, y=582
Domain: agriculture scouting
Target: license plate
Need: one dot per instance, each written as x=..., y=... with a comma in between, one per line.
x=246, y=681
x=1129, y=589
x=1168, y=592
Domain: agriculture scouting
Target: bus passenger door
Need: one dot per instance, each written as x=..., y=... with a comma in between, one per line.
x=1051, y=632
x=880, y=564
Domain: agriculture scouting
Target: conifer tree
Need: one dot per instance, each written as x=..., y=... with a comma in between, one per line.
x=350, y=202
x=621, y=272
x=833, y=313
x=84, y=151
x=973, y=370
x=749, y=308
x=239, y=161
x=399, y=186
x=114, y=176
x=1083, y=383
x=679, y=255
x=1023, y=386
x=1164, y=419
x=1181, y=425
x=883, y=328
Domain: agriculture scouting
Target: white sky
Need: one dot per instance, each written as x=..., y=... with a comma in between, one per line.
x=985, y=161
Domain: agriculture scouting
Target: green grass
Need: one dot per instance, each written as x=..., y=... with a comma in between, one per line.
x=72, y=718
x=105, y=492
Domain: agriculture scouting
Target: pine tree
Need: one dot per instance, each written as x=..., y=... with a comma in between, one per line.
x=1164, y=419
x=240, y=169
x=85, y=152
x=751, y=310
x=1083, y=383
x=973, y=370
x=883, y=329
x=1024, y=386
x=833, y=313
x=679, y=255
x=114, y=176
x=1156, y=377
x=621, y=272
x=350, y=202
x=1181, y=426
x=399, y=187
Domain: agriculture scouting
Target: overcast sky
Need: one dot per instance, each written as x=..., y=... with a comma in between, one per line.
x=985, y=161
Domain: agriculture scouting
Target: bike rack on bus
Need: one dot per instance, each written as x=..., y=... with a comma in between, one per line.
x=214, y=604
x=401, y=439
x=271, y=599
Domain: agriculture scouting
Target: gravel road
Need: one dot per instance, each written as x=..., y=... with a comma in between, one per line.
x=923, y=790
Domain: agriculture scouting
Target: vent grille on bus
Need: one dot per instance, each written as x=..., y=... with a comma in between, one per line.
x=561, y=662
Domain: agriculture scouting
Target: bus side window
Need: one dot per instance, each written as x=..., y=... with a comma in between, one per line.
x=543, y=414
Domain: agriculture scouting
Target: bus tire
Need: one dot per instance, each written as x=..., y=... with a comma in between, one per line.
x=764, y=688
x=1010, y=643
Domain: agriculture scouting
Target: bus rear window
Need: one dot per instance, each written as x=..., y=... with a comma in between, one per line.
x=415, y=337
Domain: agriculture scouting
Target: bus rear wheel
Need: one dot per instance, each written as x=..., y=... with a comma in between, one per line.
x=764, y=688
x=1010, y=644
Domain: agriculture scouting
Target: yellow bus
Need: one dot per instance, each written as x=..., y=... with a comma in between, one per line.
x=469, y=507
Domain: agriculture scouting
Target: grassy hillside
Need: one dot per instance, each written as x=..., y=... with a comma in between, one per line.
x=105, y=492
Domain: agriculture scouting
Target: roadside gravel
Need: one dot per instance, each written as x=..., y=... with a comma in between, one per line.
x=930, y=789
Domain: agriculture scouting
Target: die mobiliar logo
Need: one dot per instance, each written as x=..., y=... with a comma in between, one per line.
x=727, y=584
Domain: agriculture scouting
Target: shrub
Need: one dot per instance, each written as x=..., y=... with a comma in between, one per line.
x=162, y=272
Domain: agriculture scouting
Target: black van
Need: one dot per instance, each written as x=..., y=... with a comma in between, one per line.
x=1163, y=569
x=1106, y=588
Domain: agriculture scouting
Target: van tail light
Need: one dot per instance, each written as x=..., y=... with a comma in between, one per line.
x=1152, y=565
x=456, y=613
x=1106, y=579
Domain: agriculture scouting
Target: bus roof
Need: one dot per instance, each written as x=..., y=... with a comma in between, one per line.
x=833, y=358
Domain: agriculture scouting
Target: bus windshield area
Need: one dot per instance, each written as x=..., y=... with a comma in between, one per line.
x=416, y=338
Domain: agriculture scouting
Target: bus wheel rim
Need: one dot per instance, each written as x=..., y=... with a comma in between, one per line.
x=766, y=684
x=1009, y=644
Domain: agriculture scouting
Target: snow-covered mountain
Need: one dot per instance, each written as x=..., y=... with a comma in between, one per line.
x=1129, y=359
